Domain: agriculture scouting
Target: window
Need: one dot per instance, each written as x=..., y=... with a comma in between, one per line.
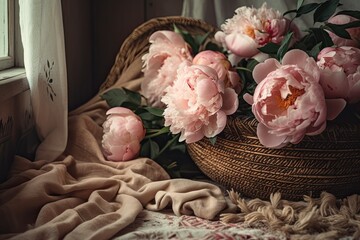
x=7, y=12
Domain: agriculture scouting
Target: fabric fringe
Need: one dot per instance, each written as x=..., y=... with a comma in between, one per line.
x=314, y=218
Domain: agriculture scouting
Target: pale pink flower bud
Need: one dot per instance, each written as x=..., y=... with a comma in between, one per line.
x=123, y=132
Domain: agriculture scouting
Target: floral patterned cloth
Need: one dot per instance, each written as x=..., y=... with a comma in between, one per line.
x=165, y=225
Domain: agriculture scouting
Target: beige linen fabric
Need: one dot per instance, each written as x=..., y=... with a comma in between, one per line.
x=83, y=196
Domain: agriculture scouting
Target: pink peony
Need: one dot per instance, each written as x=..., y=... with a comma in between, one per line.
x=167, y=50
x=123, y=132
x=288, y=101
x=251, y=28
x=222, y=66
x=197, y=103
x=353, y=32
x=340, y=71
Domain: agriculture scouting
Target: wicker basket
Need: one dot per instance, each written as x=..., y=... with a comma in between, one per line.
x=326, y=162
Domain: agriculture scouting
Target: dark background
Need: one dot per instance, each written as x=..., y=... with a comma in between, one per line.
x=94, y=31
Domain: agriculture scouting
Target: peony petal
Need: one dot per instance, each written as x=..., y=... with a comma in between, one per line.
x=170, y=36
x=216, y=124
x=261, y=70
x=334, y=83
x=116, y=153
x=193, y=137
x=234, y=80
x=120, y=110
x=295, y=57
x=261, y=57
x=230, y=101
x=267, y=139
x=315, y=131
x=334, y=107
x=219, y=36
x=205, y=91
x=241, y=44
x=248, y=98
x=132, y=150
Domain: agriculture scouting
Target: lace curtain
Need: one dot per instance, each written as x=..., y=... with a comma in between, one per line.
x=44, y=59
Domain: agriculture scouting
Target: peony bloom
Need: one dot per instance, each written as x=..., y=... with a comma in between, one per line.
x=167, y=50
x=222, y=66
x=288, y=101
x=353, y=32
x=340, y=71
x=251, y=28
x=197, y=103
x=123, y=132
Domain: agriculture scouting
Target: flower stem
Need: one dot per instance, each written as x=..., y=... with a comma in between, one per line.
x=158, y=132
x=244, y=69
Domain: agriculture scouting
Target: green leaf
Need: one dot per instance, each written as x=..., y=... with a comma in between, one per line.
x=321, y=36
x=299, y=3
x=314, y=52
x=284, y=46
x=351, y=24
x=155, y=111
x=338, y=30
x=121, y=97
x=200, y=39
x=173, y=140
x=188, y=38
x=252, y=63
x=177, y=30
x=214, y=47
x=352, y=13
x=306, y=9
x=146, y=116
x=213, y=140
x=145, y=148
x=303, y=9
x=154, y=149
x=270, y=48
x=133, y=97
x=178, y=147
x=290, y=11
x=325, y=10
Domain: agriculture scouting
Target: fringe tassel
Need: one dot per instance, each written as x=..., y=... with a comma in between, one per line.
x=321, y=218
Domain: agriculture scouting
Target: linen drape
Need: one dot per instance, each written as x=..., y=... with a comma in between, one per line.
x=42, y=36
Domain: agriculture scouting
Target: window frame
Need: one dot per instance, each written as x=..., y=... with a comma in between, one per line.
x=9, y=61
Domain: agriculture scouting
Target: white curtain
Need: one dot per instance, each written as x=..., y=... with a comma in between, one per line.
x=44, y=59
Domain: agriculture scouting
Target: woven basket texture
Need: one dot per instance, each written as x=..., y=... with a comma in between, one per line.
x=327, y=162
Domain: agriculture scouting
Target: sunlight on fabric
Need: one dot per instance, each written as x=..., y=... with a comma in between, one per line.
x=3, y=28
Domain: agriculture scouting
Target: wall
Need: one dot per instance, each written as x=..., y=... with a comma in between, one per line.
x=94, y=31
